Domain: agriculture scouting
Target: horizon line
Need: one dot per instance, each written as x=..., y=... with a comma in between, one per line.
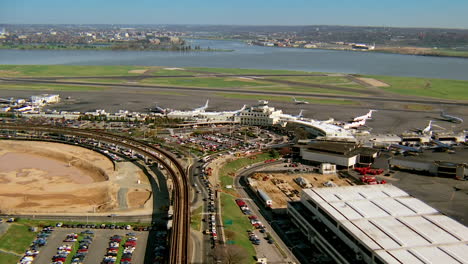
x=242, y=25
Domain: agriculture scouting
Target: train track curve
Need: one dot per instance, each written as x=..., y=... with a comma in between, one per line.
x=179, y=240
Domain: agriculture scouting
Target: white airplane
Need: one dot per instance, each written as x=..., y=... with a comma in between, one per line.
x=235, y=111
x=202, y=108
x=365, y=117
x=451, y=118
x=331, y=120
x=300, y=115
x=428, y=129
x=299, y=101
x=355, y=124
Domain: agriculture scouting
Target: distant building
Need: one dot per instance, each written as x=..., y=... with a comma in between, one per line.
x=45, y=99
x=363, y=47
x=378, y=224
x=343, y=154
x=259, y=115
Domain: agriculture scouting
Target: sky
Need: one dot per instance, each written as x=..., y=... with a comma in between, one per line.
x=397, y=13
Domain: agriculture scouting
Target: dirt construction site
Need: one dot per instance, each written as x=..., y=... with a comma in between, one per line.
x=45, y=177
x=283, y=187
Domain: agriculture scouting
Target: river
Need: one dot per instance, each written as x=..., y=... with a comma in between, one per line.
x=255, y=57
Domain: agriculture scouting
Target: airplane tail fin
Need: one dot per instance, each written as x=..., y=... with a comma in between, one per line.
x=294, y=99
x=300, y=113
x=206, y=105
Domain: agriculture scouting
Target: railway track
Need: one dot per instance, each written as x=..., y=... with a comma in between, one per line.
x=179, y=241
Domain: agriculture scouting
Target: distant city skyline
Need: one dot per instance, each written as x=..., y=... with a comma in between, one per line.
x=396, y=13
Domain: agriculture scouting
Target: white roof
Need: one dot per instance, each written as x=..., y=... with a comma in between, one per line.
x=396, y=226
x=329, y=129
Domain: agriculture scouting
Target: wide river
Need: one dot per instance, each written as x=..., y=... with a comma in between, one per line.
x=255, y=57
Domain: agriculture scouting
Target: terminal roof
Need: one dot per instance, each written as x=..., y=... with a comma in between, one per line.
x=396, y=226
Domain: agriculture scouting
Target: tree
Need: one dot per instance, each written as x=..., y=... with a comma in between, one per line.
x=231, y=254
x=274, y=153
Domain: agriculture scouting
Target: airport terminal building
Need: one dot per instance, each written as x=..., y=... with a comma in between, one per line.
x=378, y=224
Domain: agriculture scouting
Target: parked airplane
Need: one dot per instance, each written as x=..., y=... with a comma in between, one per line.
x=202, y=108
x=450, y=118
x=299, y=101
x=158, y=110
x=406, y=148
x=355, y=124
x=441, y=146
x=300, y=115
x=364, y=117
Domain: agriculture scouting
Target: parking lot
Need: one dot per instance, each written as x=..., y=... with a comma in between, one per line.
x=97, y=249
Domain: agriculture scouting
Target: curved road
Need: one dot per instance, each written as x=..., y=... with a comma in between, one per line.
x=181, y=219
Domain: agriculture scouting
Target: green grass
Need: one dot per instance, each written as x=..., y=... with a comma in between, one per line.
x=96, y=80
x=17, y=239
x=235, y=165
x=8, y=258
x=297, y=89
x=48, y=87
x=121, y=249
x=288, y=99
x=195, y=221
x=451, y=53
x=74, y=249
x=69, y=70
x=208, y=82
x=246, y=71
x=237, y=232
x=328, y=80
x=427, y=87
x=163, y=71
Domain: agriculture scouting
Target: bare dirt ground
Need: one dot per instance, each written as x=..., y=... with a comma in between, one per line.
x=138, y=71
x=373, y=82
x=43, y=177
x=282, y=188
x=138, y=197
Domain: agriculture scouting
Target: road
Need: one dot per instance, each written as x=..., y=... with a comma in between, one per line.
x=270, y=252
x=179, y=245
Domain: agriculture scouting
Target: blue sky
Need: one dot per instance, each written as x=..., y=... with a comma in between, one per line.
x=400, y=13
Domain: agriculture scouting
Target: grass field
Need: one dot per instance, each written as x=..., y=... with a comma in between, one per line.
x=17, y=239
x=237, y=231
x=96, y=80
x=298, y=89
x=246, y=71
x=208, y=82
x=424, y=87
x=196, y=217
x=438, y=88
x=234, y=166
x=49, y=87
x=8, y=258
x=288, y=99
x=69, y=70
x=163, y=71
x=340, y=81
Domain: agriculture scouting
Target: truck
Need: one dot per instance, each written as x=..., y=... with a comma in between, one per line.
x=265, y=198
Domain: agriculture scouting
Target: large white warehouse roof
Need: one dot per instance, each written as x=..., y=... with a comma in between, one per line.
x=396, y=226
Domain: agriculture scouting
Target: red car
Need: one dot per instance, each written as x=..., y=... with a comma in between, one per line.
x=240, y=202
